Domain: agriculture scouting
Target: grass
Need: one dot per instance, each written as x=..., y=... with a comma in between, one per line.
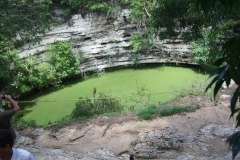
x=176, y=109
x=133, y=87
x=148, y=112
x=151, y=111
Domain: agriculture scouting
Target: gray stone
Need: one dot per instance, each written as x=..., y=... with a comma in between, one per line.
x=22, y=140
x=169, y=142
x=186, y=157
x=103, y=154
x=48, y=153
x=217, y=130
x=37, y=132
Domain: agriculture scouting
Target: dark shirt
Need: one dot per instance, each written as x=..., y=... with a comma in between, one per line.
x=6, y=120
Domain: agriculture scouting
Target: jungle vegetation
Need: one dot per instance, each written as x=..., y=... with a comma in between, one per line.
x=211, y=26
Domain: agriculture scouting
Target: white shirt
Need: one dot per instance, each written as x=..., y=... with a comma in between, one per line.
x=21, y=154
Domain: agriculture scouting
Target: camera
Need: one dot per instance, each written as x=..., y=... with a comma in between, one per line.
x=3, y=97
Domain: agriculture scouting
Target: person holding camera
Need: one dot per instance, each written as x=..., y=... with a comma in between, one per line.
x=7, y=132
x=7, y=114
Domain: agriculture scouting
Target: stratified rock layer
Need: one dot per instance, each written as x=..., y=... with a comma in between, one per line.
x=106, y=44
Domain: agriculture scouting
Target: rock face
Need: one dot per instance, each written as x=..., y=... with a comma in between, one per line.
x=167, y=143
x=170, y=143
x=105, y=43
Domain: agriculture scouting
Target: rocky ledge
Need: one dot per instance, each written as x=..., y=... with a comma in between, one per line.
x=105, y=44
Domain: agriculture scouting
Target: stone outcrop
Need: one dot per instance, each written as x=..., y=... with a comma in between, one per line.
x=170, y=143
x=105, y=43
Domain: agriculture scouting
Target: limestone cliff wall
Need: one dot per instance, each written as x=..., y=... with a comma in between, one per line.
x=106, y=44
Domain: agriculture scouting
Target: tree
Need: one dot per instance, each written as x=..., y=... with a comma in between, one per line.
x=196, y=14
x=227, y=68
x=32, y=74
x=62, y=59
x=7, y=61
x=21, y=21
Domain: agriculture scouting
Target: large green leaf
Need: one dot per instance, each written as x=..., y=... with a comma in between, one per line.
x=218, y=85
x=234, y=141
x=209, y=68
x=211, y=83
x=234, y=100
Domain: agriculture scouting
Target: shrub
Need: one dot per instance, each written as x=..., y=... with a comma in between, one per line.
x=103, y=104
x=176, y=109
x=21, y=124
x=84, y=108
x=147, y=112
x=106, y=104
x=152, y=111
x=141, y=43
x=206, y=48
x=19, y=115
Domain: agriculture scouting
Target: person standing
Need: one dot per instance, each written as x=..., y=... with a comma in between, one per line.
x=8, y=152
x=7, y=114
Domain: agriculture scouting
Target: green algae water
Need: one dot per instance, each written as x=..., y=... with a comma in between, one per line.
x=157, y=85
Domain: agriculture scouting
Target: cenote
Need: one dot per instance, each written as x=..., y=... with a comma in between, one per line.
x=130, y=86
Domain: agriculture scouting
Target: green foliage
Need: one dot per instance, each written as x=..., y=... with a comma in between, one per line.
x=227, y=67
x=24, y=18
x=147, y=112
x=211, y=4
x=19, y=115
x=31, y=74
x=140, y=14
x=151, y=111
x=62, y=59
x=185, y=18
x=21, y=21
x=205, y=49
x=103, y=104
x=5, y=74
x=24, y=75
x=176, y=109
x=141, y=43
x=25, y=123
x=99, y=6
x=20, y=123
x=172, y=16
x=234, y=142
x=84, y=108
x=141, y=11
x=83, y=6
